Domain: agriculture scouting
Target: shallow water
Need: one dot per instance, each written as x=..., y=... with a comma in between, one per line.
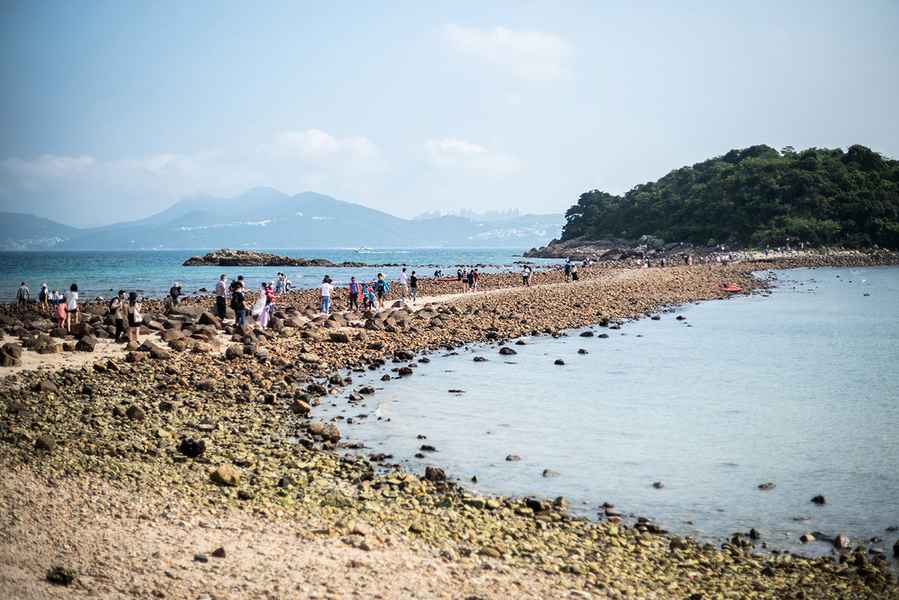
x=799, y=388
x=151, y=273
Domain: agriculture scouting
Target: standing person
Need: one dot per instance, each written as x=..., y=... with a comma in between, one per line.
x=259, y=305
x=72, y=306
x=220, y=295
x=43, y=299
x=524, y=275
x=382, y=288
x=460, y=277
x=404, y=282
x=175, y=293
x=234, y=284
x=567, y=269
x=530, y=271
x=354, y=295
x=574, y=271
x=413, y=287
x=470, y=280
x=23, y=295
x=238, y=303
x=119, y=311
x=326, y=289
x=134, y=318
x=475, y=278
x=368, y=295
x=59, y=307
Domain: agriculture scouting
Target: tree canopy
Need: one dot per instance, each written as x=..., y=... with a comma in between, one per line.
x=755, y=196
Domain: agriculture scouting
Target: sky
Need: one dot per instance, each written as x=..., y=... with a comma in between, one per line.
x=113, y=111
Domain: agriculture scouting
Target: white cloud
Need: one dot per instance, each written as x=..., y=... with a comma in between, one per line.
x=318, y=145
x=456, y=153
x=532, y=55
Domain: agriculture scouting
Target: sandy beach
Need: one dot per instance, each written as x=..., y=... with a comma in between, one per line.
x=113, y=440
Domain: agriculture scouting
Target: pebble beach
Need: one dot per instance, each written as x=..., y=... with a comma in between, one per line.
x=193, y=464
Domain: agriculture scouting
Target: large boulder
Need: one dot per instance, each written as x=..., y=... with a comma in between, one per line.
x=87, y=343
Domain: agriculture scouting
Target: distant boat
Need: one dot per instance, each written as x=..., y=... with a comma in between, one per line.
x=363, y=250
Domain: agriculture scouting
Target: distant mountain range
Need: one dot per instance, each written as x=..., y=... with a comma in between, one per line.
x=267, y=218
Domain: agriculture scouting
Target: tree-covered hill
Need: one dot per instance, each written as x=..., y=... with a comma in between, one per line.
x=755, y=196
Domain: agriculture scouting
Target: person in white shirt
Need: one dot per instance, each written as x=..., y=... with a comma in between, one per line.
x=404, y=283
x=326, y=289
x=72, y=307
x=221, y=293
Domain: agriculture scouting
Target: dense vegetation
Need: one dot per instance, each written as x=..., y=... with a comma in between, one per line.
x=756, y=196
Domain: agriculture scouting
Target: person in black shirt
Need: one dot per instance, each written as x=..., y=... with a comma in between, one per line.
x=238, y=304
x=413, y=287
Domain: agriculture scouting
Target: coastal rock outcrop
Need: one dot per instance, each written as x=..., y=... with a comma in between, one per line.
x=252, y=258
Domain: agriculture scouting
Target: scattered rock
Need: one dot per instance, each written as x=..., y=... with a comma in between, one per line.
x=506, y=351
x=61, y=575
x=435, y=474
x=767, y=486
x=219, y=552
x=512, y=458
x=658, y=485
x=192, y=448
x=226, y=475
x=135, y=413
x=201, y=558
x=819, y=500
x=44, y=443
x=559, y=362
x=550, y=473
x=807, y=537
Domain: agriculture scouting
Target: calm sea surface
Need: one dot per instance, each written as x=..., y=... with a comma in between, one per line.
x=800, y=389
x=152, y=273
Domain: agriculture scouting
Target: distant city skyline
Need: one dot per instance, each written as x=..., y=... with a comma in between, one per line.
x=114, y=111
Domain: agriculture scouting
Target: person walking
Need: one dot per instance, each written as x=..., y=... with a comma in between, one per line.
x=72, y=307
x=413, y=287
x=404, y=283
x=567, y=269
x=354, y=295
x=135, y=318
x=119, y=310
x=23, y=295
x=460, y=277
x=574, y=272
x=238, y=303
x=43, y=299
x=382, y=288
x=221, y=292
x=259, y=306
x=475, y=278
x=470, y=280
x=326, y=289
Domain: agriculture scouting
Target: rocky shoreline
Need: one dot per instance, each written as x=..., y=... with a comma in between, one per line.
x=237, y=431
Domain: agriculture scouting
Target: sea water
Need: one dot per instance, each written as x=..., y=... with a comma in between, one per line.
x=799, y=388
x=152, y=273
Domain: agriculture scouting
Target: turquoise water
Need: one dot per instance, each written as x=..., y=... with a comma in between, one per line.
x=799, y=388
x=152, y=273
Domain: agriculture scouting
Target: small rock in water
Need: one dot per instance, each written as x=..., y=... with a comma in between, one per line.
x=480, y=359
x=550, y=473
x=512, y=458
x=658, y=485
x=819, y=499
x=586, y=334
x=754, y=534
x=435, y=474
x=427, y=448
x=559, y=362
x=681, y=318
x=807, y=537
x=385, y=377
x=766, y=486
x=506, y=351
x=582, y=351
x=896, y=549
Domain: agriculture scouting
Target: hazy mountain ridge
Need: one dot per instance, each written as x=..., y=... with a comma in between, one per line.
x=267, y=218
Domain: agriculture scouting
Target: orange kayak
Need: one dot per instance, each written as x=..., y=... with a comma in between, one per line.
x=732, y=288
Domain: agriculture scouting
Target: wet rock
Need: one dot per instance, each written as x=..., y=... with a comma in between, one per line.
x=339, y=337
x=754, y=534
x=225, y=475
x=520, y=343
x=435, y=474
x=512, y=458
x=61, y=576
x=456, y=391
x=559, y=362
x=767, y=486
x=586, y=334
x=86, y=344
x=681, y=318
x=656, y=317
x=550, y=473
x=427, y=448
x=582, y=351
x=404, y=371
x=367, y=390
x=807, y=537
x=896, y=549
x=819, y=500
x=331, y=432
x=234, y=351
x=192, y=448
x=658, y=485
x=506, y=351
x=479, y=359
x=385, y=377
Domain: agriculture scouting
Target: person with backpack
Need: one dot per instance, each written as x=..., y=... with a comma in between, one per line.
x=23, y=295
x=43, y=298
x=135, y=318
x=238, y=304
x=175, y=293
x=119, y=311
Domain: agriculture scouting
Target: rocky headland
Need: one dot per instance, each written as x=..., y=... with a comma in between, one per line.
x=198, y=448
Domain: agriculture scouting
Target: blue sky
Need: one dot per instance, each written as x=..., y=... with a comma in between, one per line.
x=114, y=110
